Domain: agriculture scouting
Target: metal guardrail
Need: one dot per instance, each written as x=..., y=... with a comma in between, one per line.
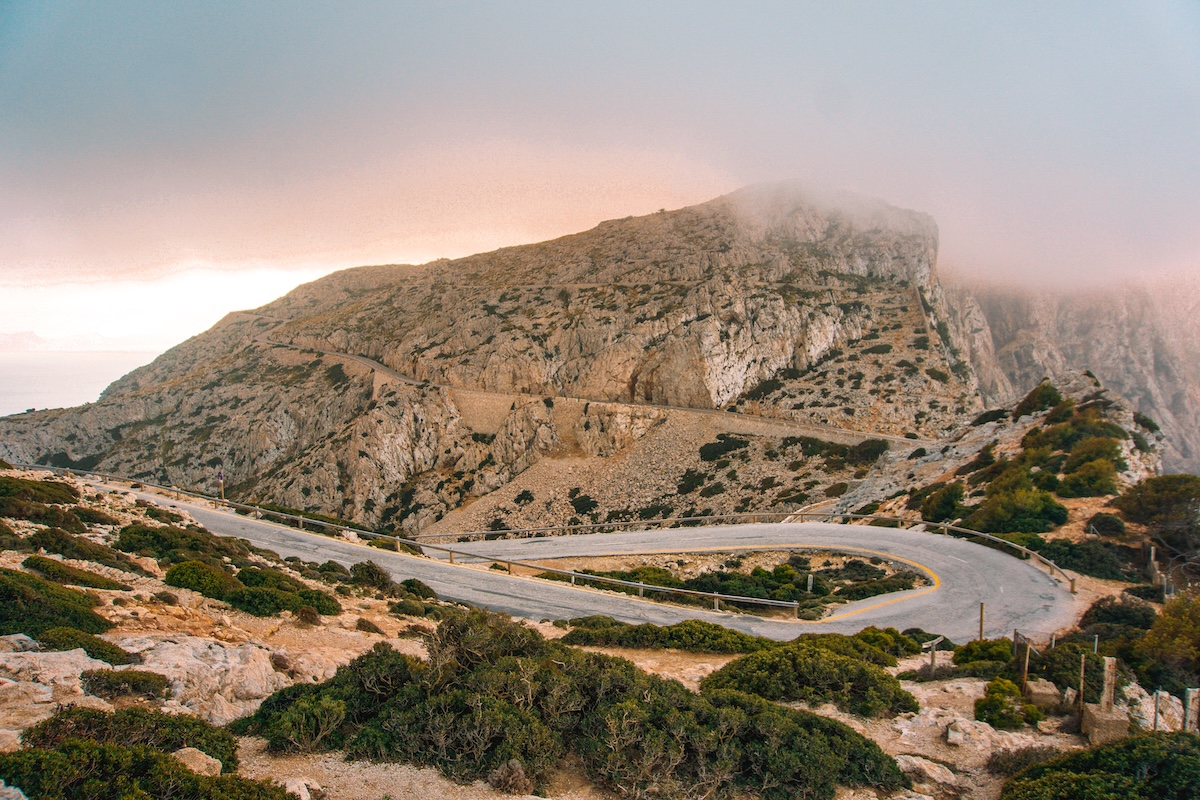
x=451, y=552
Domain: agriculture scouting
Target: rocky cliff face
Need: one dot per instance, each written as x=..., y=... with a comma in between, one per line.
x=346, y=396
x=1142, y=341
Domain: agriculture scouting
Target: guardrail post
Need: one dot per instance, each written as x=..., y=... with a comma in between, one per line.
x=795, y=610
x=572, y=579
x=509, y=565
x=810, y=582
x=641, y=590
x=716, y=603
x=1072, y=586
x=451, y=554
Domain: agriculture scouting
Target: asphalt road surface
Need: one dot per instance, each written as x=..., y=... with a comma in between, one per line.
x=961, y=574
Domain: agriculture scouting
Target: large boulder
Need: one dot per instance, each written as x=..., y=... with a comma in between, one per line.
x=217, y=681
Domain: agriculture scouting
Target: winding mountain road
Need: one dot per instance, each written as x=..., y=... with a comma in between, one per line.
x=962, y=575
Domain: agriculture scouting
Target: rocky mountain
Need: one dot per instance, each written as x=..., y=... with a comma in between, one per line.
x=583, y=378
x=1141, y=340
x=391, y=395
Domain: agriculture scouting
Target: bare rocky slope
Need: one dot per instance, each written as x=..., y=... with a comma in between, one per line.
x=598, y=364
x=391, y=395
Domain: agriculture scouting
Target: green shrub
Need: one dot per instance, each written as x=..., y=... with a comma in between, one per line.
x=94, y=646
x=493, y=693
x=38, y=491
x=268, y=577
x=136, y=726
x=1106, y=524
x=322, y=603
x=334, y=569
x=1167, y=505
x=368, y=573
x=1003, y=708
x=40, y=514
x=725, y=444
x=984, y=650
x=837, y=489
x=111, y=684
x=81, y=769
x=203, y=578
x=990, y=416
x=418, y=588
x=889, y=640
x=1092, y=479
x=61, y=573
x=67, y=545
x=815, y=675
x=1010, y=762
x=1043, y=396
x=31, y=605
x=308, y=722
x=10, y=540
x=94, y=516
x=409, y=607
x=691, y=635
x=170, y=545
x=262, y=601
x=943, y=504
x=1098, y=559
x=1152, y=766
x=1114, y=611
x=1145, y=591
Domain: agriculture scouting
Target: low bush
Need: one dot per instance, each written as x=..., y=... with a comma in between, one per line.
x=10, y=541
x=83, y=769
x=136, y=726
x=31, y=605
x=269, y=578
x=1146, y=591
x=725, y=444
x=1106, y=525
x=40, y=514
x=691, y=635
x=418, y=588
x=38, y=491
x=61, y=573
x=322, y=603
x=1119, y=611
x=169, y=545
x=1099, y=559
x=890, y=641
x=368, y=573
x=111, y=684
x=67, y=545
x=1043, y=396
x=815, y=675
x=1152, y=766
x=94, y=516
x=203, y=578
x=262, y=601
x=94, y=646
x=1010, y=762
x=496, y=700
x=983, y=650
x=1003, y=708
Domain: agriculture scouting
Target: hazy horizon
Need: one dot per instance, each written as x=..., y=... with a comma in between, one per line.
x=162, y=165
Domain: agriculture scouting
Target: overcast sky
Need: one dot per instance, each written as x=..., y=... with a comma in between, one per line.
x=185, y=159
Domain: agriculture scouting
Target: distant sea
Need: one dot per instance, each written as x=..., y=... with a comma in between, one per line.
x=58, y=379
